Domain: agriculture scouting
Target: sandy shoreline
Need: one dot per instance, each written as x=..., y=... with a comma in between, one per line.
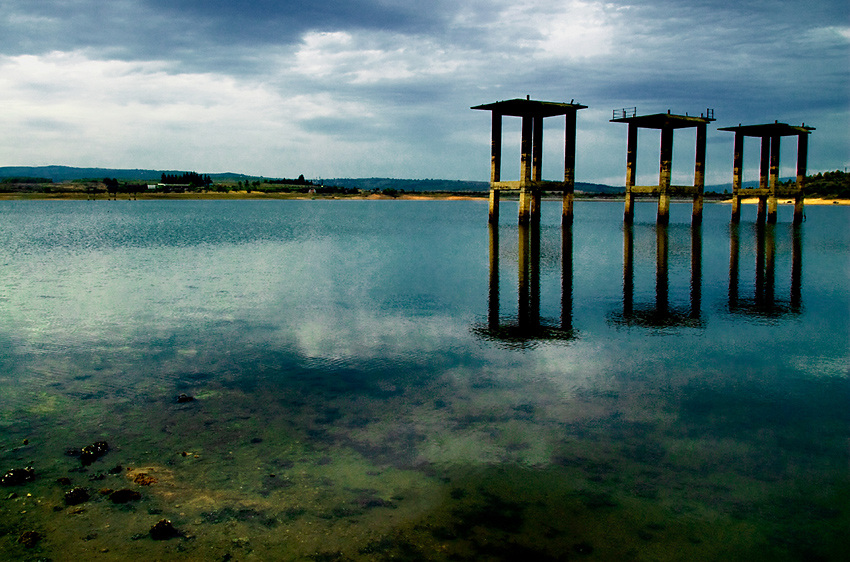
x=242, y=195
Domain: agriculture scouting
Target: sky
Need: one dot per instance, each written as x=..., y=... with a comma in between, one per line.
x=383, y=88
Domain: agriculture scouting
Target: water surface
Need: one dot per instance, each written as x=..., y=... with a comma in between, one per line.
x=380, y=380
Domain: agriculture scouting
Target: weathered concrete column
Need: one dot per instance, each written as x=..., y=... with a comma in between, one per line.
x=496, y=148
x=664, y=174
x=534, y=210
x=525, y=194
x=764, y=172
x=802, y=155
x=737, y=176
x=569, y=167
x=774, y=179
x=495, y=165
x=494, y=206
x=699, y=175
x=525, y=201
x=631, y=172
x=537, y=148
x=525, y=149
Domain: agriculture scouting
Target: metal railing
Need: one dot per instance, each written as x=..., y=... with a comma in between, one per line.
x=624, y=113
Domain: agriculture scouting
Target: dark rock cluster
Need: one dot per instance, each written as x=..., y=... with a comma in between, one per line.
x=17, y=476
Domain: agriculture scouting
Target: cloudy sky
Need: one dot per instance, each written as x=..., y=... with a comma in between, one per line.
x=361, y=88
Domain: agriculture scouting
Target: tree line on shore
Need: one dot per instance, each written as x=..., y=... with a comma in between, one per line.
x=823, y=184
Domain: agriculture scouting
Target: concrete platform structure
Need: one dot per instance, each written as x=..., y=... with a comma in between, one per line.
x=768, y=189
x=667, y=123
x=531, y=184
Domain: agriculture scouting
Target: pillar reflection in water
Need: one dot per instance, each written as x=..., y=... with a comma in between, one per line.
x=661, y=313
x=763, y=301
x=529, y=325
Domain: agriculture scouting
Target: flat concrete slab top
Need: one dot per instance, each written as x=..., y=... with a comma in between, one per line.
x=664, y=121
x=774, y=129
x=530, y=108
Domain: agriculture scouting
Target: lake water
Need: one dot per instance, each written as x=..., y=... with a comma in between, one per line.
x=379, y=380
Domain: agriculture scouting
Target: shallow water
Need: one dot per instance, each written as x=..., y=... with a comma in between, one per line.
x=380, y=380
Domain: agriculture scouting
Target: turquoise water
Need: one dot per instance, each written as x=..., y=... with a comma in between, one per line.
x=380, y=380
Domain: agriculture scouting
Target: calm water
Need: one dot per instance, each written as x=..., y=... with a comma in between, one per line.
x=380, y=380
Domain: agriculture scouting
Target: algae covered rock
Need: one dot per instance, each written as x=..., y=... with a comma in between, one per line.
x=163, y=530
x=17, y=476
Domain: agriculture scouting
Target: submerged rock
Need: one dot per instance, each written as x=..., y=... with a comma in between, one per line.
x=183, y=398
x=91, y=453
x=76, y=496
x=124, y=496
x=17, y=476
x=163, y=530
x=29, y=538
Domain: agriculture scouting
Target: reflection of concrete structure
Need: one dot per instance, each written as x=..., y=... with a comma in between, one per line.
x=661, y=314
x=667, y=123
x=531, y=182
x=763, y=301
x=768, y=189
x=529, y=325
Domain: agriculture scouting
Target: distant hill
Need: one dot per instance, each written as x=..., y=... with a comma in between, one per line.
x=370, y=184
x=60, y=174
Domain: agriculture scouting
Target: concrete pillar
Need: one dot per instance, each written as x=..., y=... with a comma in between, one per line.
x=699, y=175
x=802, y=155
x=493, y=300
x=631, y=172
x=774, y=179
x=737, y=176
x=537, y=148
x=525, y=201
x=494, y=206
x=628, y=270
x=534, y=210
x=664, y=173
x=525, y=150
x=525, y=194
x=569, y=167
x=764, y=171
x=496, y=148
